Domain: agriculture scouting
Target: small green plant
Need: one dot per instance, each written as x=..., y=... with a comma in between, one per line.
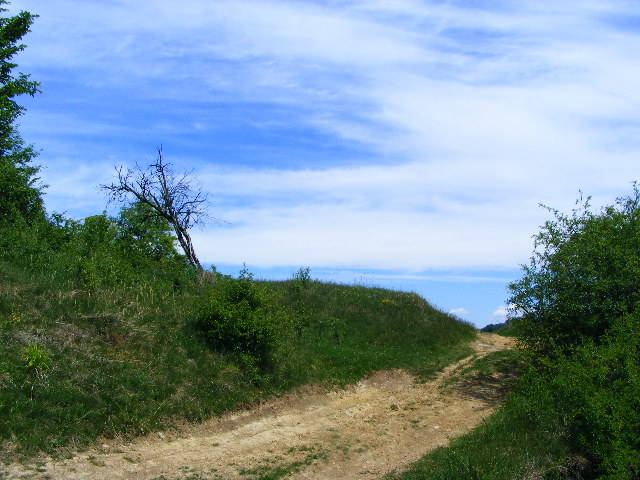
x=36, y=359
x=12, y=320
x=302, y=278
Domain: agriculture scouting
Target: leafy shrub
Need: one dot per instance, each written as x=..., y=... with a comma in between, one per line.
x=579, y=301
x=583, y=275
x=234, y=319
x=302, y=278
x=596, y=393
x=145, y=234
x=99, y=251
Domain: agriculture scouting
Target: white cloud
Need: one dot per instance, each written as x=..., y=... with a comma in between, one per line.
x=370, y=216
x=503, y=312
x=439, y=277
x=458, y=311
x=74, y=187
x=471, y=116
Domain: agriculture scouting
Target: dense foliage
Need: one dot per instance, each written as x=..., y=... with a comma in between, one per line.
x=99, y=250
x=582, y=277
x=595, y=393
x=579, y=301
x=20, y=196
x=236, y=318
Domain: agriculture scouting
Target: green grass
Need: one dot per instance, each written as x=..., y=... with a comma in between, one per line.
x=512, y=443
x=508, y=364
x=509, y=445
x=127, y=360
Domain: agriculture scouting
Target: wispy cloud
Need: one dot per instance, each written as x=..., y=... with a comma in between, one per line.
x=500, y=312
x=407, y=134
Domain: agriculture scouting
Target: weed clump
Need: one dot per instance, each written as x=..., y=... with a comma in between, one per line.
x=302, y=278
x=36, y=359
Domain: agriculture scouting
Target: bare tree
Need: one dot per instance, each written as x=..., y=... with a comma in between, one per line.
x=172, y=197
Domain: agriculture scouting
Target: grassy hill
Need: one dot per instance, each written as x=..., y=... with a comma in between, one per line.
x=81, y=358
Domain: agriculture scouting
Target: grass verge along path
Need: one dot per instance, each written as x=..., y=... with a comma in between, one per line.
x=381, y=424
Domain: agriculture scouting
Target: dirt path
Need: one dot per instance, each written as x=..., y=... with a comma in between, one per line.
x=380, y=424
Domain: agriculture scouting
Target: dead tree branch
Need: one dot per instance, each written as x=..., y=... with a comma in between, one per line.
x=172, y=197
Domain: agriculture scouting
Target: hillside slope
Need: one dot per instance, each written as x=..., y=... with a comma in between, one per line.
x=79, y=362
x=381, y=424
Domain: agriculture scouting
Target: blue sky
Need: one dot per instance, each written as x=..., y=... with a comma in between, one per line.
x=398, y=143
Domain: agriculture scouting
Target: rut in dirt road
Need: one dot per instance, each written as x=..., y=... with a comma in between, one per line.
x=381, y=424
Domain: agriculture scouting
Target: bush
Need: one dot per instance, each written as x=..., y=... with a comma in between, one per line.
x=579, y=301
x=99, y=251
x=302, y=278
x=597, y=395
x=146, y=235
x=235, y=319
x=583, y=275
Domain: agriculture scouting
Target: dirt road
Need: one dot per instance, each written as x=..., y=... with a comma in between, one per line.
x=381, y=424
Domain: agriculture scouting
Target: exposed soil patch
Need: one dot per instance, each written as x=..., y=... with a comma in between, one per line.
x=381, y=424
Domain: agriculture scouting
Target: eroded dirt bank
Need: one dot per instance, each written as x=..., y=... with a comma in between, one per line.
x=379, y=425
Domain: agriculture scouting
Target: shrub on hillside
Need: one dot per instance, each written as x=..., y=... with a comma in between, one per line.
x=595, y=394
x=301, y=279
x=582, y=276
x=100, y=251
x=146, y=235
x=579, y=301
x=235, y=319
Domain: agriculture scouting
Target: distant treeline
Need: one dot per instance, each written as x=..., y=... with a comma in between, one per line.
x=494, y=327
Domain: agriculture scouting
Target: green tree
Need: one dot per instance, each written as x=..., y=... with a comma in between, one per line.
x=146, y=234
x=583, y=275
x=579, y=307
x=20, y=194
